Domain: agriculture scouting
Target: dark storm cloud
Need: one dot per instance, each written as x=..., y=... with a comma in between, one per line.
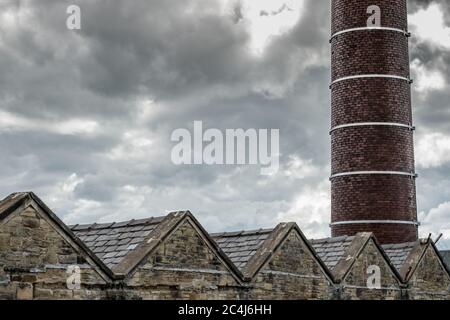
x=161, y=48
x=138, y=70
x=432, y=117
x=431, y=112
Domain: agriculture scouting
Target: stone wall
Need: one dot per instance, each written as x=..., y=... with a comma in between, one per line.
x=35, y=254
x=34, y=259
x=184, y=266
x=429, y=280
x=292, y=273
x=354, y=286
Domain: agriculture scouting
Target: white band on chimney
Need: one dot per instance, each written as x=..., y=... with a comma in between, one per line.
x=406, y=33
x=415, y=223
x=354, y=173
x=363, y=124
x=365, y=76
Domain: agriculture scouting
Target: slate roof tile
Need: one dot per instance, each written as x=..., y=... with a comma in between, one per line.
x=398, y=253
x=99, y=243
x=240, y=246
x=331, y=250
x=132, y=246
x=446, y=257
x=136, y=240
x=104, y=237
x=97, y=250
x=123, y=241
x=109, y=254
x=111, y=242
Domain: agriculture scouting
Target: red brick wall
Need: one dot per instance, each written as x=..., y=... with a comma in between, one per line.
x=371, y=52
x=389, y=149
x=347, y=14
x=374, y=100
x=373, y=197
x=371, y=148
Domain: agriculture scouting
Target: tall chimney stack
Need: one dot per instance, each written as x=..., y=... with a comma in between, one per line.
x=372, y=156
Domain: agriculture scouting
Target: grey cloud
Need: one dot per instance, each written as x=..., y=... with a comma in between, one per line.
x=415, y=5
x=193, y=62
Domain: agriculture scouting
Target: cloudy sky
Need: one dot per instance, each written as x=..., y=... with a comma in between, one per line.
x=86, y=116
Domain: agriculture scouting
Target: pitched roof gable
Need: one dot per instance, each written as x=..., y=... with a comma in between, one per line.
x=416, y=255
x=160, y=231
x=347, y=251
x=11, y=203
x=251, y=250
x=15, y=201
x=111, y=242
x=117, y=248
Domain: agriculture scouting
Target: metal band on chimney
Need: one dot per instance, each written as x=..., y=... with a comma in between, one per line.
x=368, y=124
x=366, y=76
x=356, y=173
x=415, y=223
x=405, y=33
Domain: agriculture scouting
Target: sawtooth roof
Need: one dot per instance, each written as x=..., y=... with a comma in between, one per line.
x=250, y=250
x=118, y=247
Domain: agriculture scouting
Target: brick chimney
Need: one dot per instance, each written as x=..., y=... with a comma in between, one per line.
x=372, y=155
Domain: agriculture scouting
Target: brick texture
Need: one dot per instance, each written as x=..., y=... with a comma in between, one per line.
x=390, y=149
x=371, y=148
x=347, y=14
x=373, y=100
x=364, y=47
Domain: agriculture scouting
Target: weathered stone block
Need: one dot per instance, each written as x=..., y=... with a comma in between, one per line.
x=4, y=280
x=25, y=291
x=31, y=222
x=30, y=278
x=40, y=293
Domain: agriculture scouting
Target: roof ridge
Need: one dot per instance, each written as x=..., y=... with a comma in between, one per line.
x=117, y=224
x=351, y=253
x=399, y=245
x=331, y=239
x=10, y=202
x=156, y=236
x=241, y=232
